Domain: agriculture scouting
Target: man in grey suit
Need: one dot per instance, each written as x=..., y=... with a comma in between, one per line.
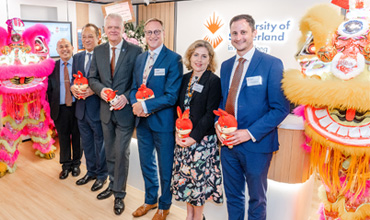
x=111, y=69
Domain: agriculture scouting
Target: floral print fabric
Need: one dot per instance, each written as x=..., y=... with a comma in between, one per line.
x=196, y=173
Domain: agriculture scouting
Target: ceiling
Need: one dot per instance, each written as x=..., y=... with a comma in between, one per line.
x=134, y=2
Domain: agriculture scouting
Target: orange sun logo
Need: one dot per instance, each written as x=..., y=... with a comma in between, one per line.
x=213, y=24
x=215, y=41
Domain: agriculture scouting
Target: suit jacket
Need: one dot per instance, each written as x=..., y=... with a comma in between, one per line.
x=91, y=105
x=165, y=80
x=100, y=77
x=202, y=104
x=261, y=108
x=53, y=91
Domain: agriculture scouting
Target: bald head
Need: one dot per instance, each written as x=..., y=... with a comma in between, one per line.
x=64, y=49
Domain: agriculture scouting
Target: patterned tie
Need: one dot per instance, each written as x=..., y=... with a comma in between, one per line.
x=230, y=101
x=113, y=61
x=67, y=85
x=87, y=68
x=148, y=66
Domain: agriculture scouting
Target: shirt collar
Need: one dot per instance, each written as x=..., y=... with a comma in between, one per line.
x=69, y=61
x=92, y=52
x=157, y=50
x=248, y=56
x=118, y=46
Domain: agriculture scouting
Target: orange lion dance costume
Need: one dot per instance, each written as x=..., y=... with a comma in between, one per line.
x=333, y=89
x=24, y=69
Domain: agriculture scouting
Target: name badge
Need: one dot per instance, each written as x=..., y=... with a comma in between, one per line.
x=159, y=72
x=198, y=88
x=254, y=80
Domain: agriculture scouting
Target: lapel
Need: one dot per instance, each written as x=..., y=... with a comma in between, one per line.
x=105, y=60
x=121, y=56
x=81, y=63
x=57, y=78
x=157, y=62
x=57, y=75
x=256, y=59
x=142, y=67
x=202, y=81
x=229, y=68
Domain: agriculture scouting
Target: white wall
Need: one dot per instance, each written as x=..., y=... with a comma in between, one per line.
x=52, y=10
x=14, y=9
x=193, y=15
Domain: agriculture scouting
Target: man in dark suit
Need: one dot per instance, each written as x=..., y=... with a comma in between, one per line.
x=111, y=69
x=251, y=91
x=62, y=110
x=161, y=70
x=87, y=113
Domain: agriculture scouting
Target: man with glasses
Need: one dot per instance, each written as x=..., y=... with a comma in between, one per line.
x=111, y=70
x=160, y=69
x=87, y=113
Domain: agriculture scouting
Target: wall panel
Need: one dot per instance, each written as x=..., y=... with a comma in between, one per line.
x=164, y=12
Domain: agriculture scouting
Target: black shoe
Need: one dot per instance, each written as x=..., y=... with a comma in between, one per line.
x=204, y=218
x=98, y=184
x=119, y=206
x=85, y=180
x=76, y=171
x=64, y=174
x=105, y=194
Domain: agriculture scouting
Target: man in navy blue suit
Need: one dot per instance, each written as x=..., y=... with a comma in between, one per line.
x=87, y=113
x=160, y=69
x=251, y=91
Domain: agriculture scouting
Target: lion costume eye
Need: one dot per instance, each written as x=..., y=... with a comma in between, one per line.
x=40, y=47
x=311, y=49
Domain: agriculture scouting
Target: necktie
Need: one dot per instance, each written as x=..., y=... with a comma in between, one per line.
x=148, y=66
x=67, y=85
x=87, y=68
x=230, y=101
x=113, y=61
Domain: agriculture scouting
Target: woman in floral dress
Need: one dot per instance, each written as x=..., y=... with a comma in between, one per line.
x=196, y=170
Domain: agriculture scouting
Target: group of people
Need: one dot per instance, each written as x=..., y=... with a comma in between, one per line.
x=190, y=167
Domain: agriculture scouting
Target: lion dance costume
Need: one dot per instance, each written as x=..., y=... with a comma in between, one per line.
x=333, y=89
x=24, y=69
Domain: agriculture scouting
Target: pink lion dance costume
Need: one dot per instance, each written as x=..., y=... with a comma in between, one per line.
x=333, y=89
x=24, y=69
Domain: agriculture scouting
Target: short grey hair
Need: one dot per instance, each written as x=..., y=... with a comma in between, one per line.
x=113, y=16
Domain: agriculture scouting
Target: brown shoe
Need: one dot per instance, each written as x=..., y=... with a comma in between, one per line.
x=161, y=214
x=142, y=210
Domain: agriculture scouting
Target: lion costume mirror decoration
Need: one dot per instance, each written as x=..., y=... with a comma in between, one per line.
x=24, y=69
x=333, y=89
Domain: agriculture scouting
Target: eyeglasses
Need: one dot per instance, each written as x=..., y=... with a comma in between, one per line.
x=156, y=32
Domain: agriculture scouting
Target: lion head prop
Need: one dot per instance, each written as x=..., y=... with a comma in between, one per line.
x=333, y=89
x=24, y=69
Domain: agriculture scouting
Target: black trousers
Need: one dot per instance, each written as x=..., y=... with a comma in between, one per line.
x=68, y=133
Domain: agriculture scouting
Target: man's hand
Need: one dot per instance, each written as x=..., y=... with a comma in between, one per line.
x=75, y=91
x=86, y=93
x=103, y=95
x=138, y=110
x=184, y=142
x=238, y=137
x=121, y=102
